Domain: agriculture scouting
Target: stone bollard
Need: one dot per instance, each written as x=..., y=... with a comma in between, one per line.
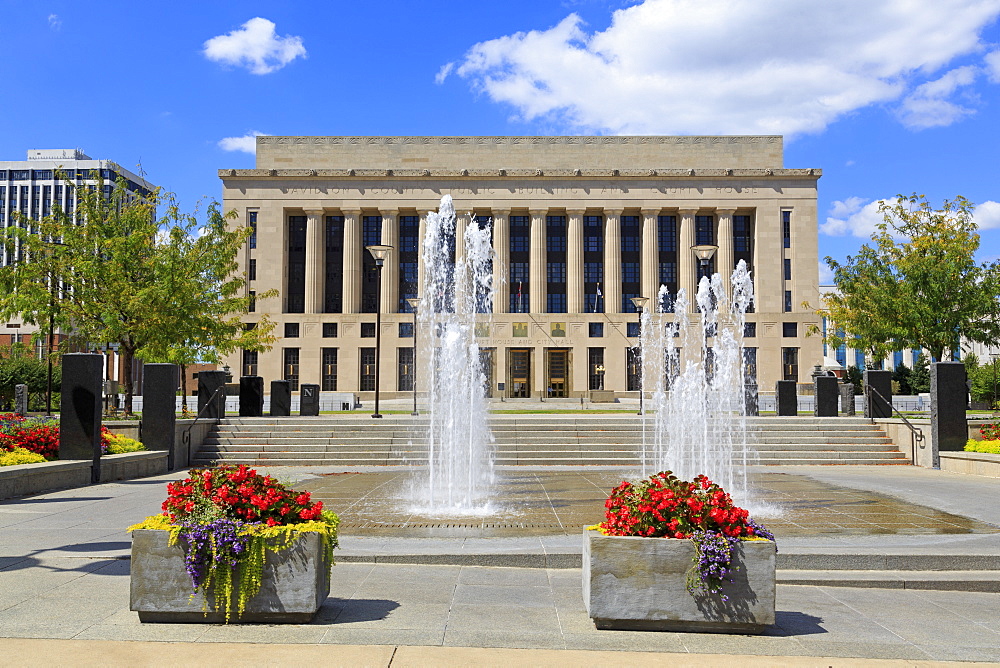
x=251, y=396
x=785, y=399
x=80, y=410
x=159, y=409
x=878, y=405
x=21, y=399
x=949, y=428
x=308, y=399
x=826, y=396
x=847, y=398
x=281, y=398
x=208, y=383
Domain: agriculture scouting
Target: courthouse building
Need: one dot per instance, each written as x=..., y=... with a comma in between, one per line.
x=580, y=226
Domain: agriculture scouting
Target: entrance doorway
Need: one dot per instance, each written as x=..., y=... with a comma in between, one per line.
x=487, y=365
x=519, y=373
x=557, y=376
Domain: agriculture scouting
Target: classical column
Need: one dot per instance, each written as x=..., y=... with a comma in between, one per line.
x=612, y=287
x=685, y=257
x=574, y=261
x=724, y=263
x=315, y=260
x=390, y=271
x=421, y=241
x=352, y=260
x=650, y=256
x=501, y=261
x=537, y=275
x=462, y=221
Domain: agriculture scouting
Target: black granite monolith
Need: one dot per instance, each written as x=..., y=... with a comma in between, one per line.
x=308, y=399
x=80, y=409
x=751, y=399
x=847, y=398
x=949, y=429
x=21, y=399
x=827, y=396
x=209, y=383
x=251, y=396
x=785, y=400
x=281, y=398
x=159, y=409
x=878, y=404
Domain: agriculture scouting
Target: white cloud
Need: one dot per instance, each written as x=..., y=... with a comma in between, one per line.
x=443, y=73
x=987, y=215
x=255, y=46
x=853, y=216
x=728, y=66
x=927, y=106
x=992, y=61
x=247, y=143
x=55, y=22
x=825, y=274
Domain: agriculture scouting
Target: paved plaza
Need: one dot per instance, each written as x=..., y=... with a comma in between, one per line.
x=416, y=584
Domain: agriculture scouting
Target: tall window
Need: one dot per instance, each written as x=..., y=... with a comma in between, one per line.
x=367, y=372
x=371, y=235
x=290, y=370
x=296, y=297
x=249, y=363
x=704, y=230
x=404, y=370
x=633, y=369
x=790, y=363
x=333, y=300
x=743, y=240
x=520, y=240
x=595, y=368
x=483, y=300
x=555, y=251
x=630, y=254
x=786, y=228
x=409, y=233
x=329, y=377
x=667, y=251
x=593, y=264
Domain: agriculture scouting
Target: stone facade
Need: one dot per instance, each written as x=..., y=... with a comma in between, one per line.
x=579, y=225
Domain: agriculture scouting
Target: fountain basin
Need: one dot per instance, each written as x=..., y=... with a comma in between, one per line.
x=640, y=584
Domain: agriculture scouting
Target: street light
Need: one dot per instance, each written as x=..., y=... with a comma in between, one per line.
x=414, y=303
x=380, y=253
x=599, y=369
x=640, y=303
x=704, y=253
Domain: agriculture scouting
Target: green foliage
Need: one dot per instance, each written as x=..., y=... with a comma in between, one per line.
x=991, y=447
x=901, y=376
x=984, y=378
x=20, y=456
x=920, y=376
x=917, y=284
x=18, y=366
x=162, y=289
x=118, y=444
x=855, y=377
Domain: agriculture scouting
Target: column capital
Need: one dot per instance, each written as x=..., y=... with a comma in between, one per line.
x=575, y=212
x=725, y=211
x=500, y=212
x=350, y=212
x=388, y=212
x=613, y=212
x=314, y=212
x=651, y=211
x=538, y=212
x=687, y=212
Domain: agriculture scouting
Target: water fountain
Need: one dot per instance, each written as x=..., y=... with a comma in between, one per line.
x=693, y=373
x=460, y=466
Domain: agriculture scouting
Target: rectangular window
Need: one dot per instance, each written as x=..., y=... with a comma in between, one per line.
x=368, y=330
x=593, y=272
x=252, y=270
x=788, y=301
x=329, y=376
x=252, y=306
x=750, y=363
x=633, y=330
x=667, y=232
x=789, y=329
x=595, y=367
x=555, y=303
x=788, y=269
x=329, y=330
x=519, y=302
x=596, y=329
x=404, y=370
x=790, y=363
x=630, y=272
x=859, y=359
x=786, y=228
x=291, y=367
x=668, y=273
x=555, y=234
x=366, y=379
x=704, y=230
x=593, y=239
x=249, y=363
x=749, y=329
x=406, y=330
x=633, y=369
x=291, y=330
x=897, y=358
x=556, y=272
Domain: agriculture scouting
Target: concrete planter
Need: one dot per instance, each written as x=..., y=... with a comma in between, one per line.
x=639, y=584
x=294, y=583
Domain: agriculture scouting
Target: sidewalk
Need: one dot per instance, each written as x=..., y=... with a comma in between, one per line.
x=64, y=568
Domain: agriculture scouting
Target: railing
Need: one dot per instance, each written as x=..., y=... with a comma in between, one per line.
x=916, y=435
x=186, y=436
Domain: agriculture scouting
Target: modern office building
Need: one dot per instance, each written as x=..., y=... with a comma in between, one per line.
x=580, y=226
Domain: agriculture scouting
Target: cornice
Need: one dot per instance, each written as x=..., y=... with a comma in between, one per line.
x=493, y=174
x=518, y=140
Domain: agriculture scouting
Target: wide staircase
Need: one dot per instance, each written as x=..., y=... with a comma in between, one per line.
x=543, y=440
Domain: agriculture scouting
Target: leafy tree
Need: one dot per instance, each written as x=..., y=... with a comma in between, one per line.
x=901, y=375
x=920, y=376
x=917, y=285
x=112, y=272
x=855, y=377
x=18, y=366
x=984, y=378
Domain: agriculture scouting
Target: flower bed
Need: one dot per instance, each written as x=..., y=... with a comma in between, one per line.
x=675, y=554
x=991, y=447
x=233, y=531
x=41, y=436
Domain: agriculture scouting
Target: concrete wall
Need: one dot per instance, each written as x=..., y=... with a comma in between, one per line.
x=974, y=463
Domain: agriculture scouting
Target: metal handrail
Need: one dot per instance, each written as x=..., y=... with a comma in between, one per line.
x=186, y=436
x=916, y=435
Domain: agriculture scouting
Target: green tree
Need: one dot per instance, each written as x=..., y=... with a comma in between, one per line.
x=123, y=276
x=917, y=285
x=902, y=375
x=18, y=366
x=920, y=376
x=855, y=377
x=984, y=378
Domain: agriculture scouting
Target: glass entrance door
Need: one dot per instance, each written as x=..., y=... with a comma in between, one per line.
x=519, y=373
x=557, y=361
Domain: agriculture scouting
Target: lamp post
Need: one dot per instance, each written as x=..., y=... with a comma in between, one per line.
x=704, y=253
x=640, y=303
x=380, y=253
x=414, y=303
x=600, y=376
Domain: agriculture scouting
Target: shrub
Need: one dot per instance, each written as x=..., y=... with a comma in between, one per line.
x=118, y=444
x=991, y=447
x=20, y=456
x=990, y=432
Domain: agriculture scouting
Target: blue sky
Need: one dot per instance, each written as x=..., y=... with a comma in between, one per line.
x=886, y=97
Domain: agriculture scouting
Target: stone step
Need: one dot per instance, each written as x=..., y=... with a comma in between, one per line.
x=978, y=580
